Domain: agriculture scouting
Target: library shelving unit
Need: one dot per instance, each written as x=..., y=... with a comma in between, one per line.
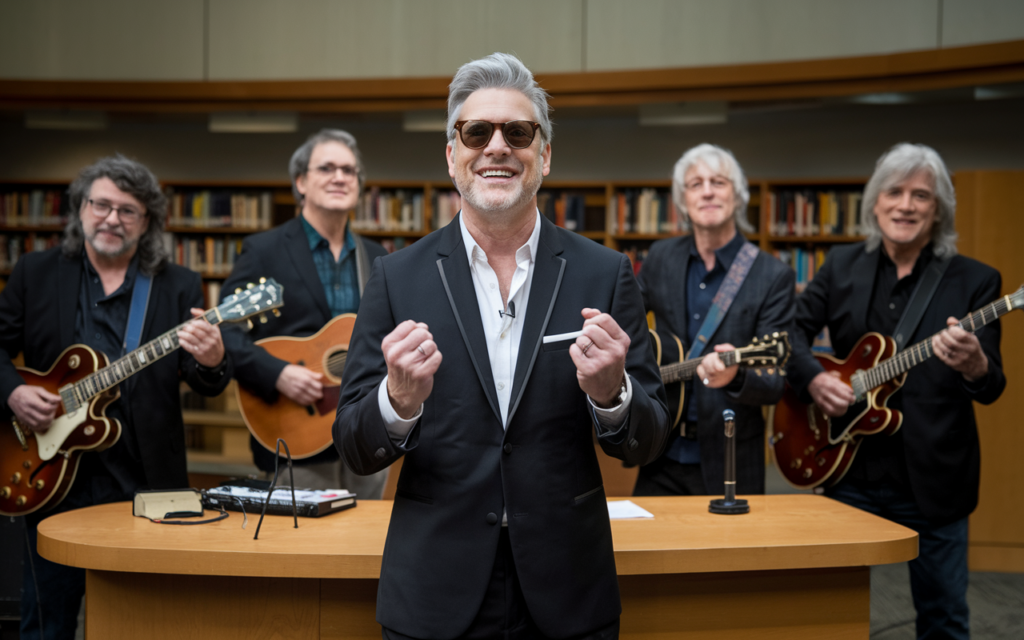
x=802, y=219
x=32, y=217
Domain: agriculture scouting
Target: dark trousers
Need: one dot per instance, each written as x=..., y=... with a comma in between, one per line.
x=938, y=576
x=54, y=589
x=666, y=477
x=503, y=613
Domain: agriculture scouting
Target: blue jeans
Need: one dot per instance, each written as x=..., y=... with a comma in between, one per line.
x=938, y=576
x=53, y=588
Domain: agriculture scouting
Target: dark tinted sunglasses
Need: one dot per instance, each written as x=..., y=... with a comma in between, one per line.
x=475, y=134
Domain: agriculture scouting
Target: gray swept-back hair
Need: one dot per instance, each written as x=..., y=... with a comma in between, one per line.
x=720, y=161
x=299, y=164
x=498, y=71
x=135, y=179
x=896, y=165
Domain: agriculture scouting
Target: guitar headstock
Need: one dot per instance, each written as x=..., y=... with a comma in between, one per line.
x=256, y=299
x=1016, y=298
x=771, y=350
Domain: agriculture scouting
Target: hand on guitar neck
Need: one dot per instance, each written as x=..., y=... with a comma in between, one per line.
x=300, y=384
x=202, y=340
x=33, y=406
x=961, y=351
x=713, y=372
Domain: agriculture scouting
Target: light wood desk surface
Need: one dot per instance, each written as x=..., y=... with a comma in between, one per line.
x=795, y=559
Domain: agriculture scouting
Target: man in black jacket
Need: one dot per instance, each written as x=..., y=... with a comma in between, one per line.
x=679, y=279
x=81, y=292
x=323, y=268
x=926, y=475
x=489, y=354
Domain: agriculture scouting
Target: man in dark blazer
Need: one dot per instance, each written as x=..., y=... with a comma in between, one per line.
x=468, y=359
x=679, y=279
x=322, y=266
x=926, y=475
x=80, y=293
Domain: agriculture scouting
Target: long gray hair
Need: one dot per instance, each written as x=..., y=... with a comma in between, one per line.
x=134, y=179
x=498, y=71
x=896, y=165
x=721, y=161
x=299, y=164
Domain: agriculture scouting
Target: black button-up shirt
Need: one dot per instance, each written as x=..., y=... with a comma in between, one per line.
x=882, y=456
x=100, y=322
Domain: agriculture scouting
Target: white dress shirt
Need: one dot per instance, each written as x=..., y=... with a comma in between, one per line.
x=503, y=333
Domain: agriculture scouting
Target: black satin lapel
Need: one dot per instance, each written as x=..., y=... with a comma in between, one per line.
x=458, y=284
x=69, y=280
x=547, y=278
x=302, y=258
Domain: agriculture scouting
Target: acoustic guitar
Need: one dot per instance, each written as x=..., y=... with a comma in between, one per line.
x=772, y=352
x=38, y=469
x=812, y=449
x=306, y=429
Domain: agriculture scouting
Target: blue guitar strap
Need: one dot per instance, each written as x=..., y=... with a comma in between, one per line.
x=137, y=313
x=723, y=299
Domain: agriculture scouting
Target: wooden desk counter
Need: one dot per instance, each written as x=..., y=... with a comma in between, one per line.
x=795, y=567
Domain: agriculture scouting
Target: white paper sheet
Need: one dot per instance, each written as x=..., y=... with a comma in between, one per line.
x=626, y=509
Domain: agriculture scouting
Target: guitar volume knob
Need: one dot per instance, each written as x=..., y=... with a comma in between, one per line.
x=21, y=501
x=16, y=478
x=40, y=484
x=808, y=472
x=5, y=493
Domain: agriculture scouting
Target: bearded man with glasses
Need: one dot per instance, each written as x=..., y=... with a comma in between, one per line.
x=489, y=354
x=323, y=268
x=82, y=293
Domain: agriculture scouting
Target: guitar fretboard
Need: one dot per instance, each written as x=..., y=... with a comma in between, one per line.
x=683, y=371
x=79, y=393
x=914, y=355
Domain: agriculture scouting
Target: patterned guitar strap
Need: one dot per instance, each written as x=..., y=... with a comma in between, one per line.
x=722, y=301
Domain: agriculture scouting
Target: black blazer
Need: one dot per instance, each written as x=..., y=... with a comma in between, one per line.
x=763, y=304
x=462, y=469
x=283, y=253
x=37, y=318
x=939, y=432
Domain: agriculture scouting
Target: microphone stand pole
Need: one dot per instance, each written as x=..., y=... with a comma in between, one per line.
x=729, y=505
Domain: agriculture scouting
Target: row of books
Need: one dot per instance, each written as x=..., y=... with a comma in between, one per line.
x=636, y=256
x=805, y=262
x=212, y=256
x=203, y=209
x=399, y=210
x=12, y=247
x=447, y=205
x=812, y=213
x=32, y=208
x=566, y=210
x=642, y=211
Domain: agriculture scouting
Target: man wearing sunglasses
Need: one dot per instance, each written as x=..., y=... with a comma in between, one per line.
x=489, y=354
x=85, y=292
x=323, y=267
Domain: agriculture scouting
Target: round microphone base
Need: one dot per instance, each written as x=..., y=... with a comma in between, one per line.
x=731, y=508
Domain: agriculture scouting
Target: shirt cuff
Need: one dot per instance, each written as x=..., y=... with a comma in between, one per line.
x=398, y=428
x=212, y=375
x=611, y=419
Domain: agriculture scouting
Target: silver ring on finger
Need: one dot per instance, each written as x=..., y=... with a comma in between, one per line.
x=419, y=348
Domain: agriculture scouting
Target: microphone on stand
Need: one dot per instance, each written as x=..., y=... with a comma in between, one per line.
x=729, y=505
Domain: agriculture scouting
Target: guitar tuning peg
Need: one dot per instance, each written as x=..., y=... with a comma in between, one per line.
x=238, y=290
x=250, y=285
x=263, y=318
x=248, y=323
x=755, y=340
x=277, y=313
x=262, y=280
